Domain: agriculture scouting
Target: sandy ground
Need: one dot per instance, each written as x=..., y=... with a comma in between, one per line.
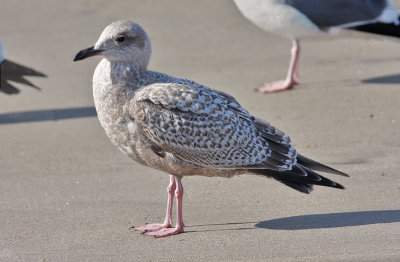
x=67, y=194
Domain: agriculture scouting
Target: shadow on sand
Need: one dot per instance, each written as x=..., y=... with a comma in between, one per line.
x=332, y=220
x=13, y=72
x=316, y=221
x=47, y=115
x=389, y=79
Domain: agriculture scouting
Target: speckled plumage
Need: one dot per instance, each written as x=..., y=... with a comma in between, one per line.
x=199, y=131
x=183, y=128
x=197, y=127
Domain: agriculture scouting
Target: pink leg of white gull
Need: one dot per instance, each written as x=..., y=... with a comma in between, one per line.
x=164, y=229
x=292, y=77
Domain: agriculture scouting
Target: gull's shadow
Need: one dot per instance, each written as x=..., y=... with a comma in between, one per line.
x=47, y=115
x=13, y=72
x=241, y=226
x=332, y=220
x=389, y=79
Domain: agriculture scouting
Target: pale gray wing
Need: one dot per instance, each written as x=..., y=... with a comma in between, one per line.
x=328, y=13
x=205, y=127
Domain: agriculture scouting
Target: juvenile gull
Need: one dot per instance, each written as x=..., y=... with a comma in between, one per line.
x=296, y=19
x=183, y=128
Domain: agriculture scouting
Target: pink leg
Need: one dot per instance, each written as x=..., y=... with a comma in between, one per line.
x=164, y=232
x=292, y=77
x=168, y=217
x=296, y=53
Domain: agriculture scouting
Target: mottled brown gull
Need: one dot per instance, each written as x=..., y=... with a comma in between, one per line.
x=297, y=19
x=183, y=128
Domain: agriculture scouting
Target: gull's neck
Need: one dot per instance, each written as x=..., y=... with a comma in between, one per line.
x=124, y=72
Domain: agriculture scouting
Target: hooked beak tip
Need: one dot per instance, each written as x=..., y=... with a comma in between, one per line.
x=85, y=53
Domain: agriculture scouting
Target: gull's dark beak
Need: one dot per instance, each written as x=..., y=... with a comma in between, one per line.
x=85, y=53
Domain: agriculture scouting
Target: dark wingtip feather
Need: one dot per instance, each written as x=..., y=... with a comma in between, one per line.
x=298, y=181
x=339, y=186
x=314, y=165
x=303, y=188
x=379, y=29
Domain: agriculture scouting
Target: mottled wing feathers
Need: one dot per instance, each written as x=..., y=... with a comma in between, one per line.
x=157, y=150
x=198, y=125
x=196, y=99
x=208, y=128
x=279, y=143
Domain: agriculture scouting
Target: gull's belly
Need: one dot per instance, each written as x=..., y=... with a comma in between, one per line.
x=125, y=135
x=277, y=17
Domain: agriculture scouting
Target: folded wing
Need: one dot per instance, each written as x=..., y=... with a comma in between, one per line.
x=209, y=128
x=331, y=13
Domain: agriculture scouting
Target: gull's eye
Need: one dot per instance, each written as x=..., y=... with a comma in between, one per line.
x=120, y=39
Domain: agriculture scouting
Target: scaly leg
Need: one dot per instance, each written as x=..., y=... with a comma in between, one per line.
x=292, y=77
x=164, y=232
x=296, y=52
x=168, y=217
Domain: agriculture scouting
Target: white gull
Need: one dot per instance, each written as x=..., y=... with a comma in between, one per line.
x=296, y=19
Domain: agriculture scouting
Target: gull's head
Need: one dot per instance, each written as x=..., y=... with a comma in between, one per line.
x=121, y=41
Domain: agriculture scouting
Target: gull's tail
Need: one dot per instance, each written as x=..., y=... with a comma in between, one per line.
x=302, y=177
x=380, y=29
x=313, y=165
